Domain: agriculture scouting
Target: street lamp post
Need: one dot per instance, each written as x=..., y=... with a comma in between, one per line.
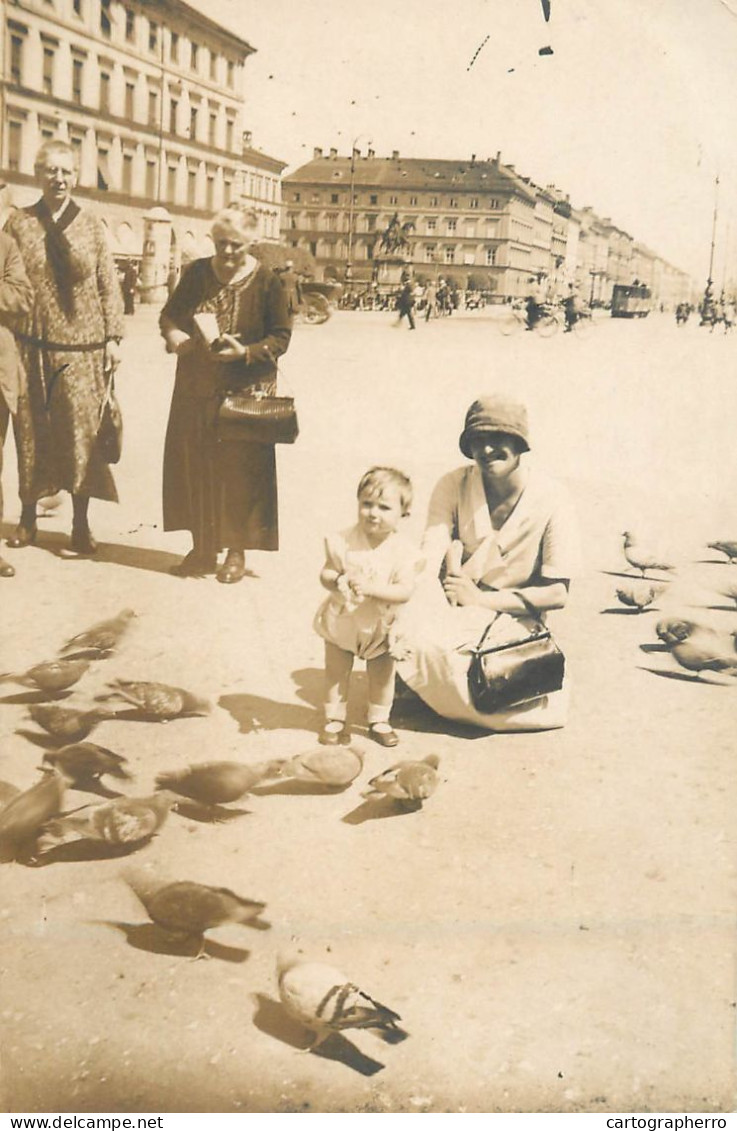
x=352, y=208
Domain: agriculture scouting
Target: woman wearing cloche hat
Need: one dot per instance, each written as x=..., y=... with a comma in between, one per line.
x=501, y=546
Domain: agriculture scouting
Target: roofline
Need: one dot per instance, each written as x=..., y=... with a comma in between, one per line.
x=197, y=17
x=256, y=157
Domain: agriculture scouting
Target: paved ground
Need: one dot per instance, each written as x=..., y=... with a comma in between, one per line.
x=556, y=927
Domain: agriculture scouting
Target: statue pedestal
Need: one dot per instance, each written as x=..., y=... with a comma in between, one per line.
x=389, y=272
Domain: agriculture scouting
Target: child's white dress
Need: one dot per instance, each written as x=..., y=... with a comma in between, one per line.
x=364, y=626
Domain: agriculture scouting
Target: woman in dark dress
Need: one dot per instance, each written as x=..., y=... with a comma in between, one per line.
x=225, y=492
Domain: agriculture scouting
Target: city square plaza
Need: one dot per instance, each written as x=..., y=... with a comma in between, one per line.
x=556, y=925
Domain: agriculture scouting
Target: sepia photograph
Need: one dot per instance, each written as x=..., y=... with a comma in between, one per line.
x=368, y=557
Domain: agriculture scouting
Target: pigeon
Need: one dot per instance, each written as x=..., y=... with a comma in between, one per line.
x=156, y=700
x=187, y=910
x=101, y=639
x=125, y=821
x=672, y=630
x=68, y=724
x=216, y=783
x=56, y=675
x=334, y=767
x=640, y=557
x=25, y=814
x=86, y=762
x=705, y=649
x=728, y=548
x=639, y=595
x=410, y=783
x=325, y=1001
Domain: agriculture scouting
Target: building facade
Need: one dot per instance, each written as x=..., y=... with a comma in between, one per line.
x=150, y=94
x=477, y=222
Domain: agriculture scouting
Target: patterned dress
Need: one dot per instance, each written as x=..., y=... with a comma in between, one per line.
x=225, y=493
x=56, y=424
x=367, y=627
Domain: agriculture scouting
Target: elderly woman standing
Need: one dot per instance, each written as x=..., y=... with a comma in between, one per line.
x=69, y=345
x=224, y=493
x=501, y=539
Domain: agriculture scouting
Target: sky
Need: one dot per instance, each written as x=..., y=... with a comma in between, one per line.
x=634, y=113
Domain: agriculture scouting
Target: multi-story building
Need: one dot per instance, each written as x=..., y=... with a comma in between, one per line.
x=477, y=222
x=470, y=219
x=150, y=94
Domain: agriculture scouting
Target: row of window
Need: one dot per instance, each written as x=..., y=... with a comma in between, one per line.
x=335, y=222
x=103, y=178
x=413, y=201
x=449, y=254
x=153, y=37
x=203, y=120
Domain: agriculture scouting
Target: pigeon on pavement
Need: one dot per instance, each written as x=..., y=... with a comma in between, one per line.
x=639, y=595
x=672, y=630
x=25, y=814
x=410, y=783
x=125, y=821
x=68, y=724
x=156, y=700
x=56, y=675
x=325, y=1001
x=728, y=548
x=640, y=557
x=705, y=649
x=87, y=762
x=187, y=910
x=334, y=767
x=102, y=638
x=217, y=783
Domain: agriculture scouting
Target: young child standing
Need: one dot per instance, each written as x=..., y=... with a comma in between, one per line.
x=370, y=570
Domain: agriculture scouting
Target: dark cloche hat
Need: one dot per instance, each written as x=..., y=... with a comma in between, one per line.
x=495, y=413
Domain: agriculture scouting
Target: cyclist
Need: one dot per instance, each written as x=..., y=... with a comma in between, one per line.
x=571, y=309
x=533, y=303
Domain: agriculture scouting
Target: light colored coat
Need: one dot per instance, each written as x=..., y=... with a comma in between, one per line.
x=16, y=299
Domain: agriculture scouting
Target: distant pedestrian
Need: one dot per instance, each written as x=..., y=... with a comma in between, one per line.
x=129, y=285
x=405, y=304
x=369, y=572
x=430, y=299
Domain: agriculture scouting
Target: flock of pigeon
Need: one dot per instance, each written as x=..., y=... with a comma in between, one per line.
x=34, y=823
x=697, y=647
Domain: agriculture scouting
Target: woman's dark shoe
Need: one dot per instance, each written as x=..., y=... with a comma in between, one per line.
x=334, y=733
x=383, y=734
x=194, y=565
x=6, y=569
x=23, y=536
x=233, y=568
x=82, y=542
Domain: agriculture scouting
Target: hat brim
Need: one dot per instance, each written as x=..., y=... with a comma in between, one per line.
x=468, y=434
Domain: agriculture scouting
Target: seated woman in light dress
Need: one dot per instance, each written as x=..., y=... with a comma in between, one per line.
x=500, y=537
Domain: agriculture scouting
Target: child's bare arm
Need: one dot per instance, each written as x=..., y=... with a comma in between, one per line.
x=393, y=592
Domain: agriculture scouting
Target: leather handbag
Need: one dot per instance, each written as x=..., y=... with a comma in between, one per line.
x=508, y=675
x=257, y=418
x=110, y=425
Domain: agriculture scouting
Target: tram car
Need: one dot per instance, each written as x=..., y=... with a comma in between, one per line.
x=634, y=301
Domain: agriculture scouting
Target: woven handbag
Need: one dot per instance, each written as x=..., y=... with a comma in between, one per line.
x=508, y=675
x=257, y=418
x=110, y=425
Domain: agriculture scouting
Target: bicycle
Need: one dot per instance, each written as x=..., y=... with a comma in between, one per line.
x=547, y=324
